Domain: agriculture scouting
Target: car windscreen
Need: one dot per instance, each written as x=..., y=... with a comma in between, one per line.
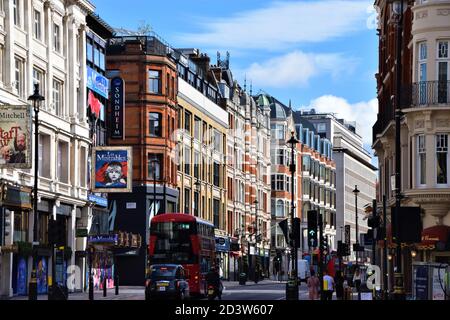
x=163, y=273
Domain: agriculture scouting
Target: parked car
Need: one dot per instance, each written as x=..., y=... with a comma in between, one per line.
x=166, y=281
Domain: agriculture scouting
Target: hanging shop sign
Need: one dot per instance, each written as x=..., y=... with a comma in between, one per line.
x=97, y=82
x=12, y=196
x=15, y=137
x=222, y=244
x=81, y=233
x=111, y=171
x=99, y=201
x=117, y=108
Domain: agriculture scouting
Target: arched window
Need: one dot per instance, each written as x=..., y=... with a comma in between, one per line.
x=280, y=208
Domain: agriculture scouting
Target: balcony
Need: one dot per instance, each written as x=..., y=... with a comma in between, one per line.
x=427, y=94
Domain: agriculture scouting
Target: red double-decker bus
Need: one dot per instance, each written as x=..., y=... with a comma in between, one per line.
x=178, y=238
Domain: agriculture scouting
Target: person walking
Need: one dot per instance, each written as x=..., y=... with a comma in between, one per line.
x=328, y=286
x=357, y=282
x=313, y=284
x=339, y=284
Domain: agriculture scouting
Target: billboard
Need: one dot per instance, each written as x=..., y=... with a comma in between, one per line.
x=15, y=137
x=97, y=82
x=112, y=169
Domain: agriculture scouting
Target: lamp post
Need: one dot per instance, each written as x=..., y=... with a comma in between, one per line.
x=37, y=99
x=154, y=162
x=398, y=7
x=256, y=242
x=292, y=289
x=356, y=192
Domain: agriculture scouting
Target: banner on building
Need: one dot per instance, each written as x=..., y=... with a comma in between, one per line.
x=112, y=169
x=15, y=137
x=97, y=82
x=117, y=108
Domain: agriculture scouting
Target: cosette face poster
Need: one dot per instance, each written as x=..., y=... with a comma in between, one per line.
x=111, y=171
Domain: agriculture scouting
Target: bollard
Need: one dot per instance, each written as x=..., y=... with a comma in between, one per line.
x=104, y=286
x=32, y=286
x=116, y=282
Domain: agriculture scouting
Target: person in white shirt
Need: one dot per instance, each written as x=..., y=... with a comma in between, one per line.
x=328, y=286
x=357, y=282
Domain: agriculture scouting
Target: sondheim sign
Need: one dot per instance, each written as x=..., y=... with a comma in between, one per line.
x=117, y=108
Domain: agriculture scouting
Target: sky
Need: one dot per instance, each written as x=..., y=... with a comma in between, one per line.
x=319, y=54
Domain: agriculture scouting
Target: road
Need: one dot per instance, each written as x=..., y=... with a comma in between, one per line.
x=265, y=290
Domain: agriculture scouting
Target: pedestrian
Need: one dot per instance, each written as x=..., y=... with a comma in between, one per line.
x=357, y=282
x=328, y=286
x=339, y=284
x=313, y=284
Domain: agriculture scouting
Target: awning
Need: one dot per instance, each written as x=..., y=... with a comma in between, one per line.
x=435, y=237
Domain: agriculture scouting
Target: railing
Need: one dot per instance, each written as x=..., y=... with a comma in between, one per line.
x=426, y=93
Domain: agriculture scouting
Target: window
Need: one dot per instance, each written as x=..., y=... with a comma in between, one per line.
x=422, y=72
x=154, y=164
x=197, y=128
x=216, y=174
x=278, y=182
x=101, y=53
x=20, y=226
x=19, y=77
x=56, y=38
x=62, y=169
x=37, y=25
x=155, y=124
x=196, y=203
x=441, y=158
x=89, y=50
x=217, y=141
x=421, y=161
x=280, y=208
x=197, y=164
x=38, y=78
x=187, y=201
x=16, y=12
x=44, y=153
x=321, y=127
x=57, y=97
x=154, y=81
x=187, y=160
x=187, y=121
x=82, y=162
x=2, y=60
x=216, y=211
x=443, y=72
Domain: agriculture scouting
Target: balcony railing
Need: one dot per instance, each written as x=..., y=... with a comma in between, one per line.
x=427, y=93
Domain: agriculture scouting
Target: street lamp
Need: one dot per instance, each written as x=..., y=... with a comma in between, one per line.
x=37, y=99
x=356, y=192
x=398, y=7
x=154, y=162
x=293, y=289
x=256, y=242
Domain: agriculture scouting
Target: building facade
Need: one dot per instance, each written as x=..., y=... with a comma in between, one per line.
x=201, y=147
x=353, y=168
x=43, y=42
x=248, y=171
x=424, y=125
x=150, y=117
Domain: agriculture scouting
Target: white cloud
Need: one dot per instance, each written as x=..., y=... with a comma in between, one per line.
x=296, y=68
x=283, y=24
x=364, y=113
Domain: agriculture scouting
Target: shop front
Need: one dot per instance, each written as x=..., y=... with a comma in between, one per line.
x=222, y=255
x=16, y=253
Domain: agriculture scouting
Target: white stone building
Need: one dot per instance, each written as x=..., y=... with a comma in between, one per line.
x=44, y=42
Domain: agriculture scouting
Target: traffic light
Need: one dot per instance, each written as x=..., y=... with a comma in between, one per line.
x=312, y=228
x=296, y=232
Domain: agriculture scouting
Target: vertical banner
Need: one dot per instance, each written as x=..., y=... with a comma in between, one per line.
x=15, y=137
x=117, y=108
x=112, y=169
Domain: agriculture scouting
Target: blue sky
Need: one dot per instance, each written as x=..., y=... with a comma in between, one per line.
x=320, y=54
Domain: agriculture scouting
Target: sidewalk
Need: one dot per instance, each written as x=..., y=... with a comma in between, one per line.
x=124, y=293
x=232, y=284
